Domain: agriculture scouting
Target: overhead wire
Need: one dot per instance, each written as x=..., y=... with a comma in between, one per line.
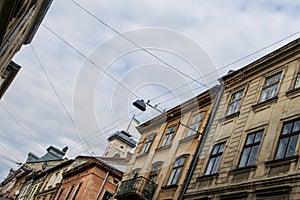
x=193, y=80
x=135, y=43
x=58, y=97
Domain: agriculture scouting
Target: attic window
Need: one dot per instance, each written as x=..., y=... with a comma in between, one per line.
x=122, y=147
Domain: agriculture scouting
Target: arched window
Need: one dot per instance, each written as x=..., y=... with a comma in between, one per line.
x=148, y=143
x=176, y=170
x=155, y=171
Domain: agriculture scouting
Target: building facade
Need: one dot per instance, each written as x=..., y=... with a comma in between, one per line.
x=93, y=179
x=165, y=151
x=252, y=148
x=19, y=21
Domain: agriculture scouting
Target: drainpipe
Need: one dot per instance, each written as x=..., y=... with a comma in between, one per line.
x=102, y=186
x=201, y=144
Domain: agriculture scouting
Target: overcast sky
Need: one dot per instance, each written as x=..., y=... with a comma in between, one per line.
x=92, y=74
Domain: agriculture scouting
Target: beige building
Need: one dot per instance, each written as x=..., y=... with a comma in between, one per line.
x=19, y=21
x=165, y=151
x=252, y=148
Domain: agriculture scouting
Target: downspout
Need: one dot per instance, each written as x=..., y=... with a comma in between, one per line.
x=102, y=186
x=201, y=143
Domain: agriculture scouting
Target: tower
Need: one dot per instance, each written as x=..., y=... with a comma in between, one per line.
x=119, y=145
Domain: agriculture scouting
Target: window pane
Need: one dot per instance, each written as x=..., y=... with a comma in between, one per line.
x=171, y=177
x=222, y=147
x=296, y=126
x=287, y=128
x=215, y=150
x=245, y=155
x=176, y=176
x=273, y=91
x=181, y=161
x=250, y=139
x=264, y=95
x=258, y=136
x=292, y=146
x=252, y=157
x=216, y=165
x=297, y=83
x=281, y=148
x=209, y=166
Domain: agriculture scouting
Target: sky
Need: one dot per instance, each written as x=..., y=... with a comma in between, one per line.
x=91, y=59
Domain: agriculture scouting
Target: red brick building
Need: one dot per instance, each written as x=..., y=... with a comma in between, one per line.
x=94, y=179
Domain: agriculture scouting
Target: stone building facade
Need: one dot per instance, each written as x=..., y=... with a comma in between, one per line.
x=165, y=151
x=252, y=148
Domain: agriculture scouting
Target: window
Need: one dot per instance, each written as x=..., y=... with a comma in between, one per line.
x=297, y=83
x=176, y=171
x=270, y=88
x=195, y=124
x=250, y=149
x=69, y=192
x=214, y=159
x=155, y=171
x=76, y=191
x=235, y=102
x=169, y=135
x=107, y=196
x=147, y=144
x=288, y=139
x=134, y=173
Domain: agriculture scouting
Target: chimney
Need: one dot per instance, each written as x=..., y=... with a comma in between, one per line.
x=65, y=149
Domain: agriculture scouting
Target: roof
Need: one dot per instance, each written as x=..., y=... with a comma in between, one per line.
x=93, y=161
x=53, y=154
x=285, y=51
x=124, y=137
x=203, y=99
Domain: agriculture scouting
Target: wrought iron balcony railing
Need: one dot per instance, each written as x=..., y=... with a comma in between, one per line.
x=137, y=188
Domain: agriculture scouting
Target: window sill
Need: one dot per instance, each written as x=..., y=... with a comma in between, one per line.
x=242, y=174
x=293, y=92
x=208, y=176
x=283, y=161
x=264, y=104
x=142, y=155
x=243, y=169
x=189, y=138
x=281, y=166
x=231, y=116
x=163, y=148
x=167, y=187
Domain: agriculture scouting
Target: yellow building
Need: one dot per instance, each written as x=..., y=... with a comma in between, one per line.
x=252, y=148
x=165, y=150
x=19, y=21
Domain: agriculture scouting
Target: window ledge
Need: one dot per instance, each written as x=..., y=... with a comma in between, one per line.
x=163, y=148
x=231, y=116
x=243, y=169
x=264, y=103
x=208, y=176
x=166, y=187
x=142, y=155
x=293, y=92
x=283, y=161
x=189, y=138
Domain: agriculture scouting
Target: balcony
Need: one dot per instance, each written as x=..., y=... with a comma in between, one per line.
x=136, y=189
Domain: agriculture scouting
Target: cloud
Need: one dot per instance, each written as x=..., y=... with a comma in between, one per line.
x=227, y=32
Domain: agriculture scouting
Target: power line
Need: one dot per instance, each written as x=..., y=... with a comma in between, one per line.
x=57, y=96
x=19, y=124
x=135, y=43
